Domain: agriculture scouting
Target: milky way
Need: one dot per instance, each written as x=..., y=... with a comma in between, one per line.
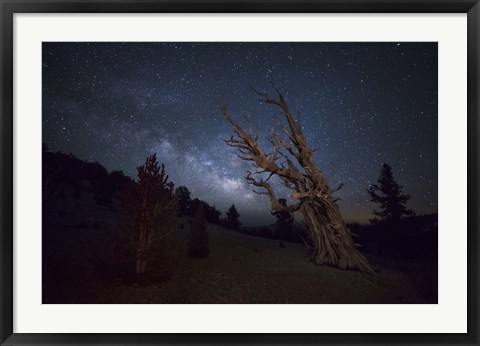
x=361, y=104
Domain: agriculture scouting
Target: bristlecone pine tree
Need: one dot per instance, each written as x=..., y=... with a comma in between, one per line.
x=390, y=197
x=332, y=240
x=152, y=205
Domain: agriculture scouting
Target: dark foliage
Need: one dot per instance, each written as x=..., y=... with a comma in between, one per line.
x=232, y=221
x=212, y=214
x=298, y=233
x=62, y=172
x=78, y=248
x=198, y=237
x=390, y=197
x=414, y=237
x=84, y=242
x=284, y=223
x=184, y=201
x=151, y=206
x=103, y=187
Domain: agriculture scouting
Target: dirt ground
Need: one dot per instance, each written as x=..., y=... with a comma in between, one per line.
x=80, y=265
x=243, y=269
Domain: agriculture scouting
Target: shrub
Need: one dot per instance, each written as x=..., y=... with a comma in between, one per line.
x=198, y=241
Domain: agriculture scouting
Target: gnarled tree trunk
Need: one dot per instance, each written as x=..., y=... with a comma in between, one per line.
x=333, y=243
x=332, y=240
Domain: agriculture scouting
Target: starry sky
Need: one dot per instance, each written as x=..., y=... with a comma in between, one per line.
x=361, y=104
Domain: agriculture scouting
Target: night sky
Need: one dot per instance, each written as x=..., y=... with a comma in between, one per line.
x=361, y=104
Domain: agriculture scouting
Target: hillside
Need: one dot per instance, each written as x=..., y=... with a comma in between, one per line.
x=85, y=252
x=87, y=255
x=247, y=269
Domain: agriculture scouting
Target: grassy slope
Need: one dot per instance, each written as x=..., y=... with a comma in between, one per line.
x=247, y=269
x=80, y=265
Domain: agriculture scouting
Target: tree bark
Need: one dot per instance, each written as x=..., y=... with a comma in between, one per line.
x=333, y=243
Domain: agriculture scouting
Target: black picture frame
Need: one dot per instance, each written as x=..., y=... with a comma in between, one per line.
x=9, y=7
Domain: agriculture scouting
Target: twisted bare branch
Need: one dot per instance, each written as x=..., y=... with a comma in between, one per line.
x=276, y=205
x=247, y=144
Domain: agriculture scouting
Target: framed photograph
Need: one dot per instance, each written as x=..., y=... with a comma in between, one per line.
x=239, y=172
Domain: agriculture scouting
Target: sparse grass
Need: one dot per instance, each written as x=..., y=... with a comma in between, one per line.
x=84, y=266
x=242, y=269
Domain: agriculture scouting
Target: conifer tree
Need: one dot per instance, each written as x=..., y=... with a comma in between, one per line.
x=233, y=216
x=151, y=204
x=184, y=202
x=390, y=197
x=284, y=222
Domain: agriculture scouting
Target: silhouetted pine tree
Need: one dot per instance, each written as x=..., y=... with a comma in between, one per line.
x=184, y=202
x=284, y=223
x=151, y=204
x=233, y=216
x=390, y=197
x=213, y=215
